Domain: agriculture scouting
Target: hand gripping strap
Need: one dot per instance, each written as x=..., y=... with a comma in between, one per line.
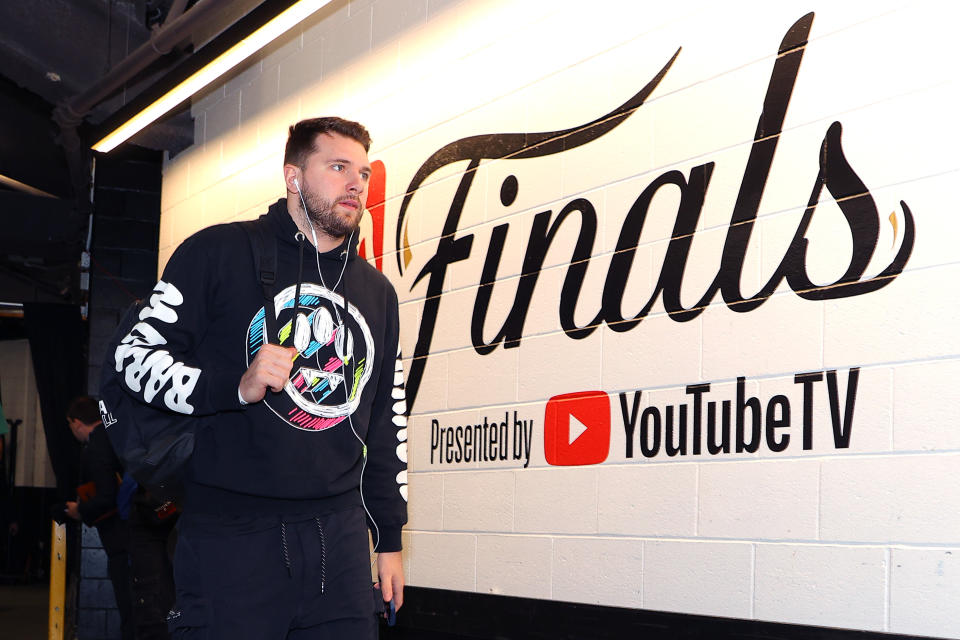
x=263, y=246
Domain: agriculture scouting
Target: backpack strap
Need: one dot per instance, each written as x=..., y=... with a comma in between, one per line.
x=263, y=246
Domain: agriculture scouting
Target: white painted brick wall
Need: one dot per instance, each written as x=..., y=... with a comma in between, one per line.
x=897, y=331
x=924, y=590
x=458, y=304
x=392, y=18
x=684, y=131
x=777, y=500
x=703, y=578
x=864, y=537
x=479, y=501
x=223, y=117
x=927, y=425
x=906, y=499
x=649, y=355
x=473, y=382
x=604, y=571
x=654, y=500
x=426, y=502
x=553, y=363
x=433, y=389
x=826, y=586
x=204, y=165
x=732, y=351
x=557, y=500
x=447, y=561
x=298, y=70
x=933, y=247
x=514, y=565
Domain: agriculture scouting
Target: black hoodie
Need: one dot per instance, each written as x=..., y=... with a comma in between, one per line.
x=300, y=450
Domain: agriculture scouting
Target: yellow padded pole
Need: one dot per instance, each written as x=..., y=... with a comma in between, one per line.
x=58, y=580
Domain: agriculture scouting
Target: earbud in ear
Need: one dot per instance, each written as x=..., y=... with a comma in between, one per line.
x=296, y=184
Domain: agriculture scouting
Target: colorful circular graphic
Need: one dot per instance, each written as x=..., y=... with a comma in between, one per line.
x=334, y=360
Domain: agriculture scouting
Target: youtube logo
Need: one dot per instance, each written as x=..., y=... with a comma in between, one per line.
x=576, y=428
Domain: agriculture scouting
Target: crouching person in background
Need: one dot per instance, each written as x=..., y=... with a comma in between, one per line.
x=96, y=504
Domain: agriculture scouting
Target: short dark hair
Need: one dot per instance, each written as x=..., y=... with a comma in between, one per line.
x=85, y=409
x=302, y=140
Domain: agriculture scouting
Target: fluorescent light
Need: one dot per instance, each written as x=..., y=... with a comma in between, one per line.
x=22, y=186
x=205, y=76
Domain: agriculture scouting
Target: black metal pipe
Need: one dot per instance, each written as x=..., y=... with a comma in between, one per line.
x=175, y=10
x=162, y=41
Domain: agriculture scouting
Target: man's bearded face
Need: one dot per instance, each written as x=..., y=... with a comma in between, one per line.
x=338, y=218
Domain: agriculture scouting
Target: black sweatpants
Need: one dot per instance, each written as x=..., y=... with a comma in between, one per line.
x=304, y=577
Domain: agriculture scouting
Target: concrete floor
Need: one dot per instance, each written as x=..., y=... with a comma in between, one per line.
x=23, y=611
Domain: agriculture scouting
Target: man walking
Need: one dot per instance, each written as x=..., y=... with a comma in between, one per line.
x=300, y=433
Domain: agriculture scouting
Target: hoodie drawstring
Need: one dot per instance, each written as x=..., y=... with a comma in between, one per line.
x=323, y=552
x=323, y=556
x=286, y=551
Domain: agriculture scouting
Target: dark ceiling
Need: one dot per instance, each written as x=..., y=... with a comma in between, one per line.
x=68, y=57
x=56, y=49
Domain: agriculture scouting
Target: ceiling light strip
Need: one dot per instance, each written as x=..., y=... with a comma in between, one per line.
x=20, y=186
x=208, y=74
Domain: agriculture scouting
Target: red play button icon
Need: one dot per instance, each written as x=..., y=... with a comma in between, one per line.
x=576, y=428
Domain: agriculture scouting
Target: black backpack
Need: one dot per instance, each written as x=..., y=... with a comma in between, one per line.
x=154, y=445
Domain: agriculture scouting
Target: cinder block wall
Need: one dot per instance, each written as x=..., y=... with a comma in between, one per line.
x=124, y=250
x=781, y=209
x=97, y=614
x=124, y=244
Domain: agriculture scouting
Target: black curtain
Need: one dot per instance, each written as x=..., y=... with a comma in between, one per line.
x=56, y=336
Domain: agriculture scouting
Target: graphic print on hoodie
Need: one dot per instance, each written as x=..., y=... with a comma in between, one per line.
x=203, y=326
x=330, y=372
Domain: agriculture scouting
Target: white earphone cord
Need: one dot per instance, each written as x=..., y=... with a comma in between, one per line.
x=343, y=371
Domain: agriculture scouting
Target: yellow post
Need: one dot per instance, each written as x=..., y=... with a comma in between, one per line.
x=58, y=580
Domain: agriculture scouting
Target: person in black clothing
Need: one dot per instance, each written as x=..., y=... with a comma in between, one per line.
x=96, y=505
x=300, y=439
